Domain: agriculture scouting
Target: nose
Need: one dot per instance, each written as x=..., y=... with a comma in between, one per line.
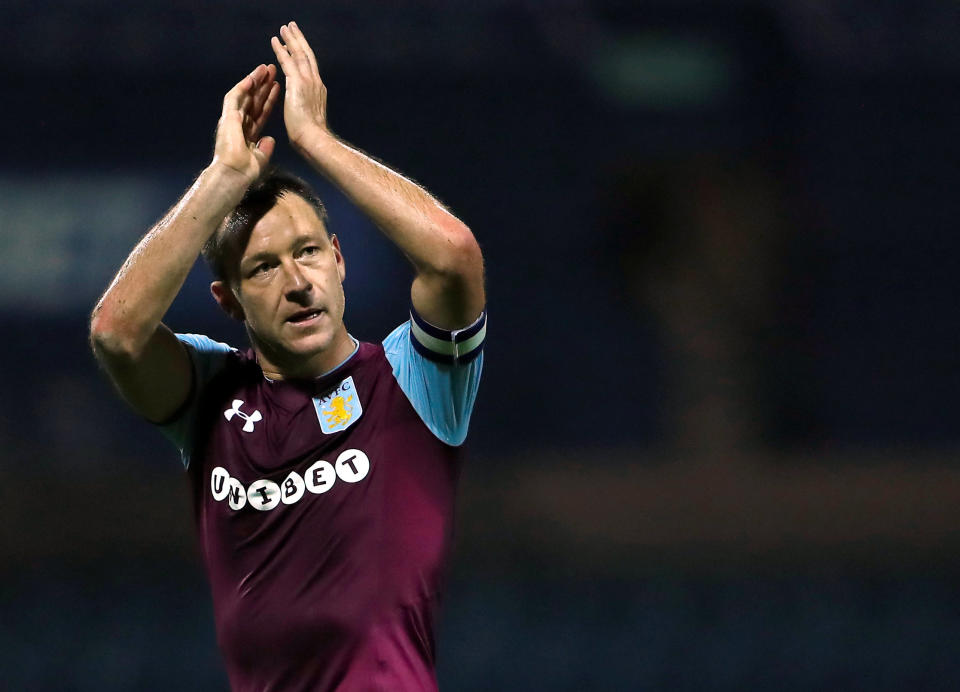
x=296, y=286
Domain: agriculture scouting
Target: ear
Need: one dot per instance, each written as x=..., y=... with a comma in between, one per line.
x=226, y=300
x=341, y=264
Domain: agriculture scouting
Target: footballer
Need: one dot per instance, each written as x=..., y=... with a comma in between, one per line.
x=322, y=469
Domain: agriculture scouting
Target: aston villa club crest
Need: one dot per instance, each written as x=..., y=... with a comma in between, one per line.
x=339, y=409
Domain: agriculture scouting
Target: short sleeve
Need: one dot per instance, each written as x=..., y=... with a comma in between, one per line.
x=439, y=371
x=207, y=358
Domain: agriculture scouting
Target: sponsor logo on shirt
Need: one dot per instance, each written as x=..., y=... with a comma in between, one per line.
x=250, y=420
x=263, y=494
x=339, y=409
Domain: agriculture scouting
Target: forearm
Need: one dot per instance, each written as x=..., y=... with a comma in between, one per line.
x=432, y=238
x=132, y=307
x=447, y=290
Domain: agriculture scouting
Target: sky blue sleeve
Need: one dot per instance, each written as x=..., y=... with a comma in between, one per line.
x=439, y=371
x=207, y=358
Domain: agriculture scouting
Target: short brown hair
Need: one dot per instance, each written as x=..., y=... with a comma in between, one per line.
x=225, y=247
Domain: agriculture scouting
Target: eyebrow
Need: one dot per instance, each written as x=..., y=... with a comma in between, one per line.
x=298, y=242
x=302, y=240
x=255, y=259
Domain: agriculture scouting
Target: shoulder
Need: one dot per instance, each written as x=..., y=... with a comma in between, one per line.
x=209, y=360
x=204, y=344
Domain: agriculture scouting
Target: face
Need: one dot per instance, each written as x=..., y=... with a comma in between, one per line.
x=290, y=292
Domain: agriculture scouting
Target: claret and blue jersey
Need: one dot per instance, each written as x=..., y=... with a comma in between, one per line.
x=324, y=507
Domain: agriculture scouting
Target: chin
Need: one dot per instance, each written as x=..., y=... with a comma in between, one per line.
x=309, y=345
x=301, y=348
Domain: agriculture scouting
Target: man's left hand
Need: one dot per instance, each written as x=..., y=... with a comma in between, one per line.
x=305, y=98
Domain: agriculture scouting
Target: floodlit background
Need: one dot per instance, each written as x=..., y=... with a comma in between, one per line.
x=716, y=442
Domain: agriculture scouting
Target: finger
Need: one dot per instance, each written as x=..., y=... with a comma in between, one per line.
x=265, y=149
x=284, y=58
x=272, y=97
x=306, y=47
x=296, y=50
x=259, y=78
x=303, y=45
x=260, y=101
x=234, y=98
x=262, y=92
x=239, y=96
x=247, y=124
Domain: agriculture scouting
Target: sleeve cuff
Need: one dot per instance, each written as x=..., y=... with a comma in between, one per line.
x=454, y=347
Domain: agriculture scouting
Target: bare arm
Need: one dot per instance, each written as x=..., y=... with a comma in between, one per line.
x=143, y=358
x=447, y=290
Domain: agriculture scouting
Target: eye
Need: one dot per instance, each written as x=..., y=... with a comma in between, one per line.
x=260, y=269
x=309, y=251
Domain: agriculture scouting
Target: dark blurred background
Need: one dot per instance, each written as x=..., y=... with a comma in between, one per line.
x=715, y=444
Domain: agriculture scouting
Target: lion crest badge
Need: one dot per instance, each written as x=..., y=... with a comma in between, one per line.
x=338, y=409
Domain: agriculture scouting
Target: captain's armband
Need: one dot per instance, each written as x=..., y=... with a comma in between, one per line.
x=454, y=347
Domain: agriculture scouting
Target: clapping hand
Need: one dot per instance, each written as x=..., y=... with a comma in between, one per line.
x=246, y=108
x=305, y=97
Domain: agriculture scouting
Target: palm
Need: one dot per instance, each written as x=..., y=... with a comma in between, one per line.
x=305, y=100
x=246, y=108
x=300, y=109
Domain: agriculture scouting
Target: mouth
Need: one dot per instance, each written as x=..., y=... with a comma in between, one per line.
x=305, y=316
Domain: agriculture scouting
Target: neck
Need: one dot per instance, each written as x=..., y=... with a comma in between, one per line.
x=284, y=365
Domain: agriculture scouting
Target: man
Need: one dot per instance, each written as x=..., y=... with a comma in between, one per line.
x=322, y=469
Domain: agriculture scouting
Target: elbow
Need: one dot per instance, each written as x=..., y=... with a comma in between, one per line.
x=109, y=340
x=462, y=256
x=102, y=339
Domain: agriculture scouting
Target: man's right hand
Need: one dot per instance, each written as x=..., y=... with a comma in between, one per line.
x=145, y=360
x=246, y=108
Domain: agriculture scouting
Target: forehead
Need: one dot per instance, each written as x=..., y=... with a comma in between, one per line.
x=289, y=219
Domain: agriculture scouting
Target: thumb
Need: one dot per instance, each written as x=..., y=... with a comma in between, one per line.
x=264, y=149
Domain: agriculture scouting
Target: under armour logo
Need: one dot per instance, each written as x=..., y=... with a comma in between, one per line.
x=252, y=419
